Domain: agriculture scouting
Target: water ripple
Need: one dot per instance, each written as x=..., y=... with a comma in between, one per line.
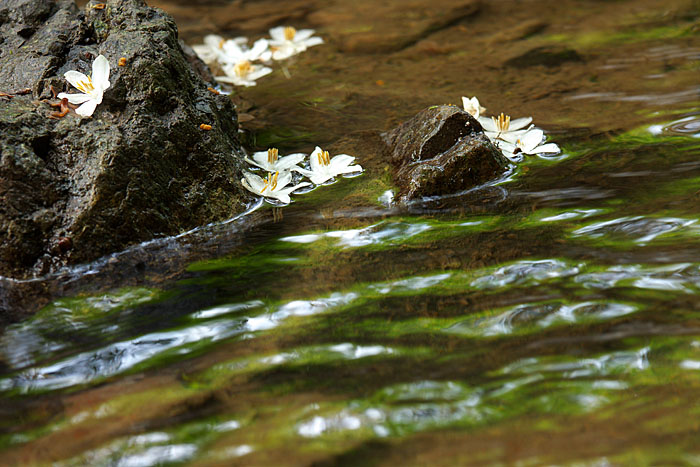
x=381, y=233
x=410, y=284
x=525, y=272
x=686, y=126
x=641, y=229
x=532, y=317
x=676, y=277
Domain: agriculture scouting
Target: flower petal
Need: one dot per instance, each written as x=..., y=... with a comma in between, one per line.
x=255, y=162
x=260, y=157
x=303, y=34
x=340, y=161
x=87, y=109
x=283, y=180
x=258, y=72
x=313, y=160
x=512, y=136
x=304, y=172
x=549, y=148
x=254, y=183
x=74, y=98
x=283, y=52
x=318, y=178
x=259, y=48
x=492, y=135
x=205, y=53
x=350, y=169
x=213, y=41
x=519, y=123
x=231, y=53
x=530, y=140
x=75, y=78
x=506, y=147
x=287, y=162
x=100, y=73
x=248, y=187
x=282, y=196
x=277, y=34
x=487, y=124
x=312, y=41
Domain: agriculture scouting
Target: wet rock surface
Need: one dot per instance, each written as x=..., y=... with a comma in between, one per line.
x=442, y=150
x=74, y=189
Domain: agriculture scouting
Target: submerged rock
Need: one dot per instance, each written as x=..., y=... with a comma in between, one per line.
x=442, y=150
x=74, y=189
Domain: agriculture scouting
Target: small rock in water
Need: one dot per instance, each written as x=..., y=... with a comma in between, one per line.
x=442, y=150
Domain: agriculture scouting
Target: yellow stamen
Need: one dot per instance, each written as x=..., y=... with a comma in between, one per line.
x=503, y=122
x=289, y=33
x=272, y=155
x=85, y=86
x=270, y=182
x=324, y=158
x=243, y=68
x=221, y=43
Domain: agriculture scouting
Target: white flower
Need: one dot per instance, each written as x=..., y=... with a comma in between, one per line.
x=503, y=128
x=529, y=143
x=323, y=168
x=243, y=73
x=234, y=51
x=270, y=160
x=287, y=41
x=271, y=187
x=92, y=88
x=209, y=51
x=472, y=106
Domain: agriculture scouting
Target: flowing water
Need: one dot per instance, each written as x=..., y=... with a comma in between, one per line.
x=551, y=318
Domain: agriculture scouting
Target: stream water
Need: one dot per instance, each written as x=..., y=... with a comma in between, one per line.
x=552, y=318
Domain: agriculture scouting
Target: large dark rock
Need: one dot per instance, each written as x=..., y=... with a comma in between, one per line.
x=73, y=189
x=442, y=150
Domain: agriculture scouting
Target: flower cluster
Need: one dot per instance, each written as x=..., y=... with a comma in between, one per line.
x=510, y=136
x=321, y=168
x=237, y=60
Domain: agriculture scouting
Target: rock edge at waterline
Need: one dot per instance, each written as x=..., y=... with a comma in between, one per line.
x=441, y=150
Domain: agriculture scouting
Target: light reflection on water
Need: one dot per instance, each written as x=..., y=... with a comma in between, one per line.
x=373, y=235
x=642, y=230
x=581, y=385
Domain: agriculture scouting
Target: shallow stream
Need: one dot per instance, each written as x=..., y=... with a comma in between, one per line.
x=551, y=318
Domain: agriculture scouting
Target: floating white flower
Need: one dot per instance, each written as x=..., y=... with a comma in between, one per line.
x=92, y=88
x=503, y=128
x=287, y=41
x=271, y=187
x=529, y=143
x=210, y=50
x=472, y=106
x=323, y=168
x=243, y=73
x=234, y=51
x=270, y=160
